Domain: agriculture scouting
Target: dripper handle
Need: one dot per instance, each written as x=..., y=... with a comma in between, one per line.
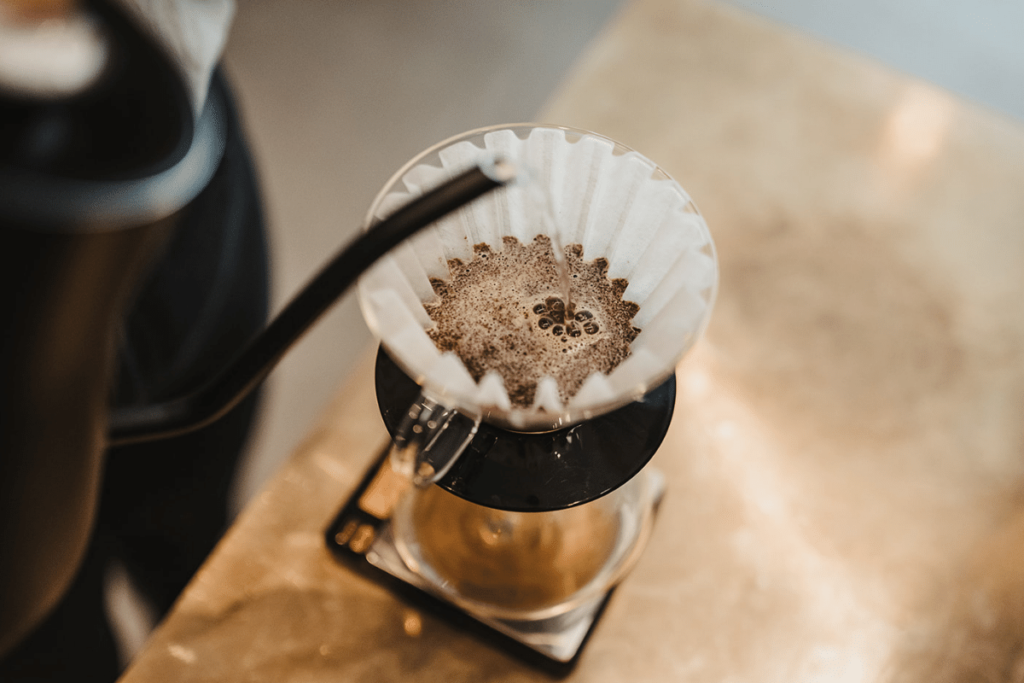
x=429, y=440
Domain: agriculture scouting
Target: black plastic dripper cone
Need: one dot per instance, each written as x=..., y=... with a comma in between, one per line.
x=538, y=472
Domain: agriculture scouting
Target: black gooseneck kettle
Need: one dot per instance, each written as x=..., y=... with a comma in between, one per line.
x=91, y=186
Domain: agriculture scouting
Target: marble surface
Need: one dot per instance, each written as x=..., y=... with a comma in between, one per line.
x=845, y=468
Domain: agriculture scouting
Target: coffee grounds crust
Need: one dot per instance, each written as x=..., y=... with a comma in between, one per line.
x=506, y=311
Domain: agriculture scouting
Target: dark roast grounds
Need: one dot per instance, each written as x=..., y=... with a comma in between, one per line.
x=506, y=311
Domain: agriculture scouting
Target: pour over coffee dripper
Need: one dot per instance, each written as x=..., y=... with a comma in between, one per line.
x=538, y=511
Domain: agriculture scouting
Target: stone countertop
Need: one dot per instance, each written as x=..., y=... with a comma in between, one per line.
x=845, y=468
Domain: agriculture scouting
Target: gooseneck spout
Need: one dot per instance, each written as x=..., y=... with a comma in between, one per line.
x=135, y=424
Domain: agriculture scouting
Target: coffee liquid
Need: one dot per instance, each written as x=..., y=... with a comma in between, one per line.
x=505, y=311
x=511, y=560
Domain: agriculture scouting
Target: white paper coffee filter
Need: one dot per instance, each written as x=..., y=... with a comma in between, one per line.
x=616, y=205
